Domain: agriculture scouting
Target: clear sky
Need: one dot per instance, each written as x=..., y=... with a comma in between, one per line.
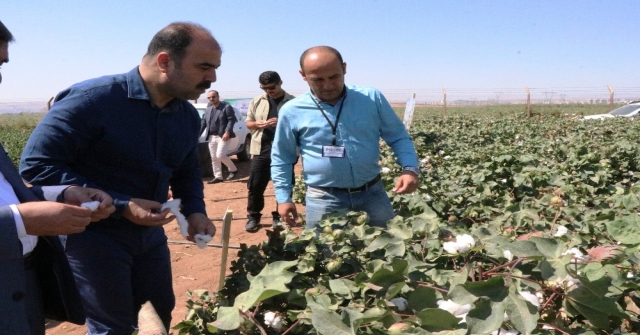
x=473, y=48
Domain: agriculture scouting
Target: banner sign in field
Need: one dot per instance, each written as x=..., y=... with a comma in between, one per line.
x=408, y=112
x=241, y=103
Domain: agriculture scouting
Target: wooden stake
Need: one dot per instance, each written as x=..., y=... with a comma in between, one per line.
x=610, y=98
x=226, y=230
x=444, y=92
x=528, y=102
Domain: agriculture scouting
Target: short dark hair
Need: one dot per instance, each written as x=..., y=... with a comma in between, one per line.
x=5, y=34
x=269, y=77
x=321, y=47
x=174, y=39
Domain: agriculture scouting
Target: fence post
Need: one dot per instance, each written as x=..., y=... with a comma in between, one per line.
x=444, y=92
x=226, y=230
x=610, y=98
x=528, y=102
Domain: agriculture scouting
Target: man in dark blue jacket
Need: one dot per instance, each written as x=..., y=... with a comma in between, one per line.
x=133, y=135
x=218, y=121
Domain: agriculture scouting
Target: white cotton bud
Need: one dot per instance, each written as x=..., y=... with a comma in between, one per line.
x=465, y=242
x=507, y=254
x=505, y=317
x=174, y=207
x=630, y=275
x=450, y=247
x=503, y=331
x=277, y=323
x=562, y=230
x=202, y=240
x=268, y=318
x=401, y=303
x=385, y=170
x=447, y=157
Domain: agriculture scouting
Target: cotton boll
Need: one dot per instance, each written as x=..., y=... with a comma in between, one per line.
x=174, y=207
x=268, y=318
x=530, y=298
x=562, y=230
x=507, y=254
x=92, y=205
x=503, y=331
x=202, y=240
x=465, y=242
x=277, y=323
x=450, y=247
x=454, y=308
x=400, y=302
x=385, y=170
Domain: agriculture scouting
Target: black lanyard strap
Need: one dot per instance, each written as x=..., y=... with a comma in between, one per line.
x=334, y=127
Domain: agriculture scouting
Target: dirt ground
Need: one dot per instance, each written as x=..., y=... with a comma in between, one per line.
x=194, y=268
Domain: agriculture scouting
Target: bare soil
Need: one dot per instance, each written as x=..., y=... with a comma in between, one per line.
x=195, y=268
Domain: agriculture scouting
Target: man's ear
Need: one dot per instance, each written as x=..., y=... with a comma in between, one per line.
x=164, y=62
x=344, y=68
x=304, y=77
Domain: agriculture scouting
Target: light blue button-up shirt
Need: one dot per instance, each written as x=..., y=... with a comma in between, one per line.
x=366, y=117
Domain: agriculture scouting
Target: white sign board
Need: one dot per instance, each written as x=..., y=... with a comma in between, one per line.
x=408, y=112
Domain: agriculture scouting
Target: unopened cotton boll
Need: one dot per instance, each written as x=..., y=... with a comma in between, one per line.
x=400, y=302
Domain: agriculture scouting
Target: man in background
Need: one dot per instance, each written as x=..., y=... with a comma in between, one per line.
x=22, y=219
x=218, y=121
x=337, y=129
x=134, y=135
x=262, y=118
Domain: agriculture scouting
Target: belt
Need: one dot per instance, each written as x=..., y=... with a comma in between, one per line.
x=353, y=189
x=29, y=261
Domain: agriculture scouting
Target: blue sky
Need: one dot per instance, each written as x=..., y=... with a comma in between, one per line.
x=473, y=48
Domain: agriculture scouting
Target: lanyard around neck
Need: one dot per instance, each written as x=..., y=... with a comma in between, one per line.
x=334, y=127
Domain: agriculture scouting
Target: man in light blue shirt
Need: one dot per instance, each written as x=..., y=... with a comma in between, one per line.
x=337, y=129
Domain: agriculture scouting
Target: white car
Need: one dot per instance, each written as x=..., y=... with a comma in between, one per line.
x=630, y=110
x=238, y=145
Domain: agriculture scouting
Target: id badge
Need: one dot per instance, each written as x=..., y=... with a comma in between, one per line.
x=335, y=151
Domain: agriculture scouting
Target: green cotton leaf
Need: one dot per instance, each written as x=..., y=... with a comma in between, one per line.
x=549, y=247
x=626, y=230
x=630, y=201
x=436, y=319
x=485, y=317
x=352, y=317
x=522, y=314
x=524, y=249
x=327, y=322
x=393, y=246
x=343, y=287
x=374, y=314
x=270, y=282
x=597, y=309
x=552, y=269
x=385, y=277
x=228, y=318
x=467, y=293
x=421, y=298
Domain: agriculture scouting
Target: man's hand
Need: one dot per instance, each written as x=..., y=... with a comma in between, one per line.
x=46, y=218
x=146, y=212
x=226, y=136
x=200, y=224
x=75, y=195
x=272, y=122
x=288, y=213
x=407, y=183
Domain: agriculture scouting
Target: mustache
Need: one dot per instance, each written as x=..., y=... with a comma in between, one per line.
x=204, y=84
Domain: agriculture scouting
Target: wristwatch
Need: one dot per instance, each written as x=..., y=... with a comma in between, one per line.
x=413, y=169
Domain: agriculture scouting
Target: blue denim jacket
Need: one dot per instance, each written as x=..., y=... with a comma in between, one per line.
x=105, y=133
x=366, y=117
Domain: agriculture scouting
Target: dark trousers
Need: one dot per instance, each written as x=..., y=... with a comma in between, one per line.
x=33, y=296
x=259, y=177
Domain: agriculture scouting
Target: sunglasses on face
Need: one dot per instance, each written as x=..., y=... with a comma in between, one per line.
x=268, y=88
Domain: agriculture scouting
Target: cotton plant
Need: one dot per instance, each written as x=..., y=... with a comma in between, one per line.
x=457, y=310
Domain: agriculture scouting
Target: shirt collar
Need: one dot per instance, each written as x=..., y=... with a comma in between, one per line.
x=136, y=85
